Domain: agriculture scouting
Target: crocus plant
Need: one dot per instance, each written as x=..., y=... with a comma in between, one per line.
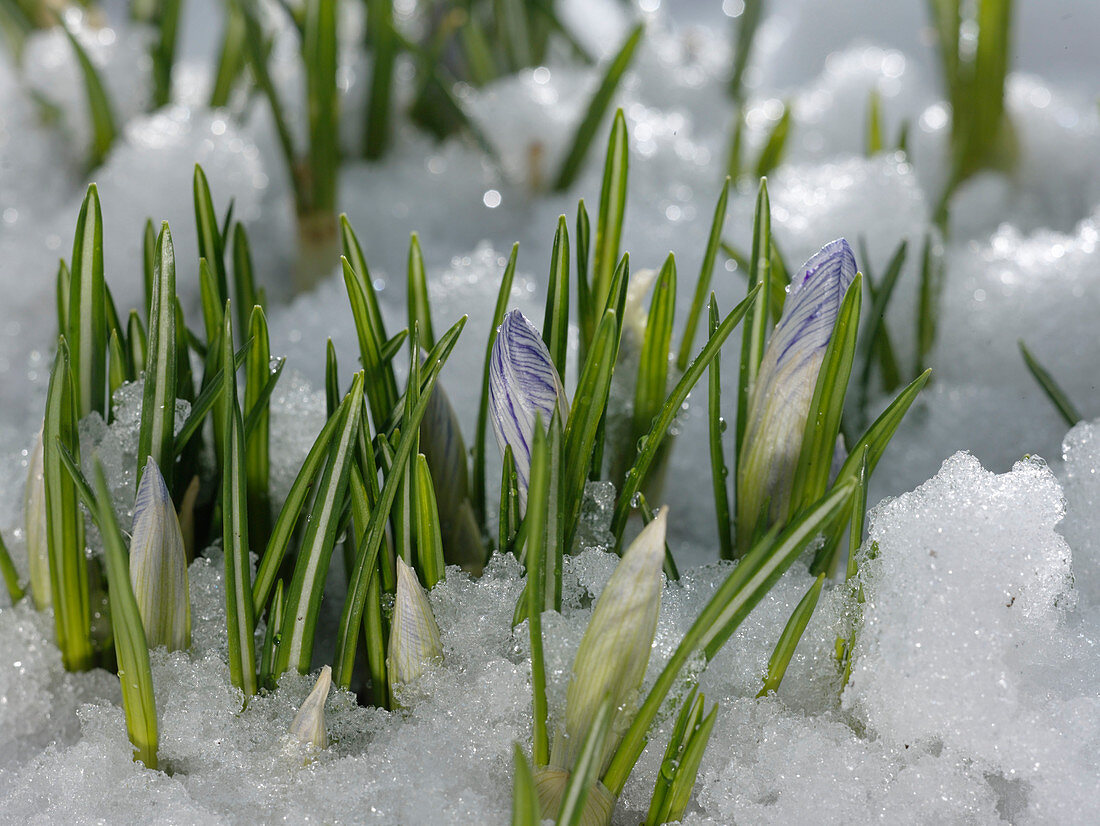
x=779, y=400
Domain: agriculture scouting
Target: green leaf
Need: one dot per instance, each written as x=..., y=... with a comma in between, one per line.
x=374, y=633
x=508, y=514
x=555, y=321
x=87, y=332
x=745, y=586
x=480, y=468
x=420, y=308
x=688, y=769
x=538, y=497
x=585, y=309
x=429, y=542
x=754, y=336
x=788, y=640
x=597, y=108
x=164, y=50
x=303, y=600
x=244, y=283
x=158, y=401
x=873, y=142
x=239, y=612
x=9, y=573
x=136, y=342
x=747, y=26
x=118, y=371
x=272, y=638
x=205, y=402
x=99, y=105
x=663, y=421
x=652, y=381
x=772, y=153
x=258, y=376
x=384, y=48
x=134, y=673
x=211, y=243
x=525, y=800
x=64, y=286
x=319, y=58
x=719, y=472
x=381, y=385
x=686, y=721
x=583, y=776
x=1050, y=387
x=609, y=223
x=64, y=523
x=876, y=338
x=352, y=614
x=149, y=254
x=231, y=58
x=702, y=286
x=815, y=460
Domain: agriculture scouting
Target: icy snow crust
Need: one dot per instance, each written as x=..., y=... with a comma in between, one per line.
x=974, y=691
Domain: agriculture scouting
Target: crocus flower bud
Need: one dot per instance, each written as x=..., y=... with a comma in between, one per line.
x=779, y=400
x=414, y=634
x=34, y=521
x=614, y=651
x=308, y=726
x=550, y=786
x=158, y=564
x=523, y=384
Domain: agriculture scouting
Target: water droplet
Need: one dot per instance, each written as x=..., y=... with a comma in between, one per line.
x=722, y=424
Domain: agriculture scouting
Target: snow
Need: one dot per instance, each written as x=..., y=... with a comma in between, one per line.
x=973, y=695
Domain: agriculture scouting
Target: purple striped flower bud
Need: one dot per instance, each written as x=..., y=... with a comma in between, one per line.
x=779, y=400
x=523, y=384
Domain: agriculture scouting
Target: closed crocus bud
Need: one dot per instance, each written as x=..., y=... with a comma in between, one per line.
x=308, y=726
x=414, y=634
x=550, y=786
x=158, y=564
x=779, y=400
x=34, y=521
x=523, y=384
x=614, y=651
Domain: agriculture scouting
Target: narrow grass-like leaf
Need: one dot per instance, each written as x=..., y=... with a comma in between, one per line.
x=688, y=768
x=877, y=339
x=134, y=673
x=9, y=573
x=244, y=282
x=381, y=385
x=118, y=371
x=772, y=153
x=1050, y=387
x=928, y=303
x=535, y=558
x=420, y=308
x=597, y=108
x=211, y=243
x=231, y=57
x=100, y=111
x=754, y=336
x=747, y=25
x=669, y=565
x=87, y=333
x=272, y=638
x=652, y=381
x=587, y=412
x=480, y=63
x=319, y=59
x=239, y=613
x=65, y=524
x=584, y=776
x=815, y=460
x=508, y=513
x=352, y=615
x=480, y=468
x=664, y=419
x=609, y=223
x=205, y=402
x=702, y=286
x=716, y=427
x=555, y=321
x=584, y=291
x=429, y=543
x=374, y=632
x=686, y=721
x=158, y=401
x=303, y=599
x=525, y=801
x=257, y=373
x=788, y=640
x=873, y=141
x=36, y=527
x=384, y=47
x=283, y=530
x=164, y=50
x=64, y=286
x=735, y=598
x=148, y=257
x=136, y=342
